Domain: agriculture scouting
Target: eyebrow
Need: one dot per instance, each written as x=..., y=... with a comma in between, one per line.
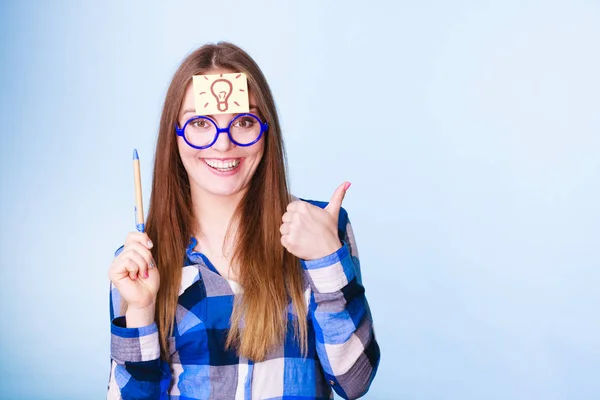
x=252, y=107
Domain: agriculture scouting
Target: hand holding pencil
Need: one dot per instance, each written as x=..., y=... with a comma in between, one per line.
x=133, y=271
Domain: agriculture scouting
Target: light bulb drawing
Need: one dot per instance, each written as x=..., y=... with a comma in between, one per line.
x=221, y=94
x=221, y=89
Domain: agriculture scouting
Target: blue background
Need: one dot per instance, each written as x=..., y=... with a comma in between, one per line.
x=473, y=155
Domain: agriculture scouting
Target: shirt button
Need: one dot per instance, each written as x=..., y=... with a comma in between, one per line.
x=332, y=383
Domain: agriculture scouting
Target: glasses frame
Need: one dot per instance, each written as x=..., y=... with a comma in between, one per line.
x=181, y=131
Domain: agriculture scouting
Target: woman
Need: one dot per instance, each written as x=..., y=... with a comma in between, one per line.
x=237, y=290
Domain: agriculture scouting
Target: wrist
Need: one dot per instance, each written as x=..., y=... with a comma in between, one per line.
x=333, y=247
x=329, y=250
x=139, y=317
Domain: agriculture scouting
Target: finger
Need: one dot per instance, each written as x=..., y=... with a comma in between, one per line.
x=129, y=268
x=333, y=208
x=143, y=251
x=141, y=263
x=284, y=229
x=121, y=267
x=139, y=237
x=134, y=265
x=285, y=242
x=287, y=217
x=126, y=265
x=297, y=206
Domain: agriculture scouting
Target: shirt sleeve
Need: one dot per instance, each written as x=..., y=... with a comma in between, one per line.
x=137, y=371
x=345, y=339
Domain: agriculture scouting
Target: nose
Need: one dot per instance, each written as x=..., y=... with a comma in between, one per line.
x=223, y=144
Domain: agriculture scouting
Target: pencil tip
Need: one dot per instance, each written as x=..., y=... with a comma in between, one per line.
x=135, y=154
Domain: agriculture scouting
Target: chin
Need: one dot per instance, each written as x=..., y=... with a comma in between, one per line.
x=223, y=192
x=221, y=188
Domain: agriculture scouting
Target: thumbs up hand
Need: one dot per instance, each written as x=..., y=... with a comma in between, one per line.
x=310, y=232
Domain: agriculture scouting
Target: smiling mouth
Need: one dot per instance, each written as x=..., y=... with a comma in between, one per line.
x=223, y=166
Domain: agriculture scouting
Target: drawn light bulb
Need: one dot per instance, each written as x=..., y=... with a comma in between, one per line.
x=221, y=89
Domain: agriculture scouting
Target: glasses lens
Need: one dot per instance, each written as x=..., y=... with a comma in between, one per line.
x=245, y=129
x=200, y=131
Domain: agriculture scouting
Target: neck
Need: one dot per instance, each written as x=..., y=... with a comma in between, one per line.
x=213, y=213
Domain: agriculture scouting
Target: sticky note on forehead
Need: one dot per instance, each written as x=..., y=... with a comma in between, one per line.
x=221, y=94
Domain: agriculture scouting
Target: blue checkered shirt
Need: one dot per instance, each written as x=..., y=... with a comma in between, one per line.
x=343, y=354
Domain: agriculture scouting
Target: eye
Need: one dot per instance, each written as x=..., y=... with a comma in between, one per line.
x=200, y=123
x=244, y=122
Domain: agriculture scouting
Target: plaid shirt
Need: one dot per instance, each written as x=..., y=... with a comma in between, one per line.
x=343, y=354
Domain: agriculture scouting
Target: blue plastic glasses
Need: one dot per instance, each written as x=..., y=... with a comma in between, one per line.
x=201, y=132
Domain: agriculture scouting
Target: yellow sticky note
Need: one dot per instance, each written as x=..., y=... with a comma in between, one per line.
x=221, y=94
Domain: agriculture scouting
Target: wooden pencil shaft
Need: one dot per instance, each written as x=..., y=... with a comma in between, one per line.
x=138, y=192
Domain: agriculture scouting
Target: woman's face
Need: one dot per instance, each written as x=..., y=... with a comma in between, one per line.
x=223, y=169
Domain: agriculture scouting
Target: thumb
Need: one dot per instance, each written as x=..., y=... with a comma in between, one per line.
x=333, y=208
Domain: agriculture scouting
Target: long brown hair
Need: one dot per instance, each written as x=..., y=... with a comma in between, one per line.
x=269, y=275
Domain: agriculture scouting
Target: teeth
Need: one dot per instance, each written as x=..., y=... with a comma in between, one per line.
x=230, y=164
